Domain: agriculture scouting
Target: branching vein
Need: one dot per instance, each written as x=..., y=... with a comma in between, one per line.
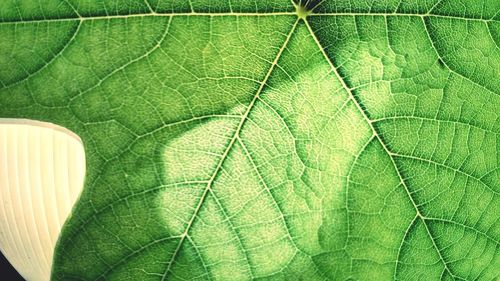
x=382, y=143
x=226, y=152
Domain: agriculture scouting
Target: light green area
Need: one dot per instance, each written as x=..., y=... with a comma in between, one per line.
x=260, y=140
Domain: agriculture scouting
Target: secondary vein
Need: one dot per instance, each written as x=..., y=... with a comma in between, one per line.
x=382, y=143
x=228, y=149
x=225, y=14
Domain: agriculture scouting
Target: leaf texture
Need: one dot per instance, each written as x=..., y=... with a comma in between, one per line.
x=236, y=140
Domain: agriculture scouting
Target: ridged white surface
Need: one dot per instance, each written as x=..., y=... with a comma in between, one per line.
x=42, y=168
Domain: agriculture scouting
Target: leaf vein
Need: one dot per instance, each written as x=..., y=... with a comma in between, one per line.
x=382, y=143
x=226, y=152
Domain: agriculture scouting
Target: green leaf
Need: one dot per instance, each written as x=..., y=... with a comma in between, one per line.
x=239, y=140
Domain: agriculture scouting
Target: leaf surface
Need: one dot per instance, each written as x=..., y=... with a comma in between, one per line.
x=241, y=140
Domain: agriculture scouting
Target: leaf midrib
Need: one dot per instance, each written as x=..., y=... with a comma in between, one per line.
x=224, y=156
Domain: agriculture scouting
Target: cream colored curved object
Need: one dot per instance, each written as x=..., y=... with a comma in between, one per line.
x=42, y=168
